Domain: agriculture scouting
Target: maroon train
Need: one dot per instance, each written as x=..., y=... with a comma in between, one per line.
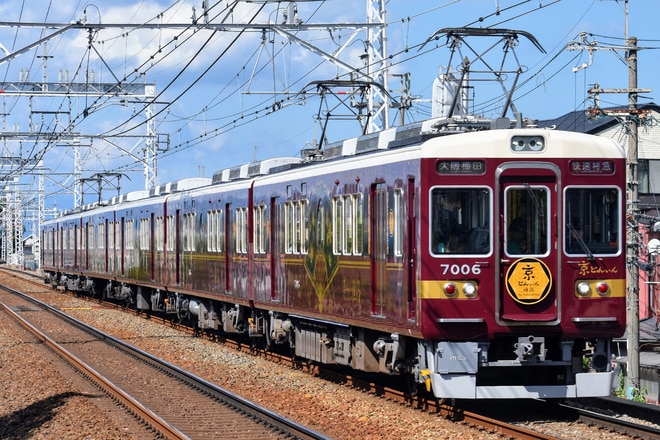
x=481, y=263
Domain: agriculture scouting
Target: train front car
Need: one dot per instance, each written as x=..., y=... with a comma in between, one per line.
x=523, y=263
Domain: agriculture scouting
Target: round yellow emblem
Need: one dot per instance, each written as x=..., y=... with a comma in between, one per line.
x=528, y=281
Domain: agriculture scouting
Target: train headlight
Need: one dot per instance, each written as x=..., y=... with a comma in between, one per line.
x=583, y=288
x=602, y=288
x=527, y=143
x=450, y=289
x=470, y=290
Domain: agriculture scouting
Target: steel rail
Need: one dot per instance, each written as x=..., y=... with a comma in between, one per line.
x=284, y=424
x=153, y=420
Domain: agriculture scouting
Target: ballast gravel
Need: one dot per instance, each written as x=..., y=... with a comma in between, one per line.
x=38, y=395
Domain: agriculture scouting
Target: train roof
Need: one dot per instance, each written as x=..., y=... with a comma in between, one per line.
x=413, y=133
x=395, y=137
x=417, y=133
x=256, y=168
x=552, y=143
x=179, y=185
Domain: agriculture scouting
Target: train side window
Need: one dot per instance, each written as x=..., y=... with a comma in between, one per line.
x=460, y=220
x=170, y=233
x=320, y=225
x=215, y=231
x=592, y=220
x=211, y=231
x=348, y=224
x=359, y=224
x=289, y=216
x=304, y=226
x=144, y=234
x=296, y=227
x=160, y=238
x=337, y=222
x=111, y=235
x=259, y=232
x=130, y=234
x=398, y=222
x=91, y=237
x=118, y=231
x=189, y=231
x=241, y=230
x=101, y=235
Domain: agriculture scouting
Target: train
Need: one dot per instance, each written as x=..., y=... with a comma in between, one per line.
x=475, y=258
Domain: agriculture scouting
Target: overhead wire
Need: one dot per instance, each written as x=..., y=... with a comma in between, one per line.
x=242, y=118
x=267, y=106
x=104, y=98
x=234, y=123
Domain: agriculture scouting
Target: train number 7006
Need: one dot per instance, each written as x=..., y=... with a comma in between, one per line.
x=460, y=269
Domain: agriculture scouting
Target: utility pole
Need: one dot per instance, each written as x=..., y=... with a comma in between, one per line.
x=632, y=216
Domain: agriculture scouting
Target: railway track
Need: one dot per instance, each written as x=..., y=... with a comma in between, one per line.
x=478, y=418
x=173, y=402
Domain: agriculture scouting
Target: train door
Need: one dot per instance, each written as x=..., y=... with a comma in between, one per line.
x=227, y=246
x=410, y=250
x=105, y=243
x=86, y=245
x=152, y=246
x=528, y=214
x=378, y=240
x=76, y=246
x=122, y=246
x=112, y=240
x=58, y=245
x=177, y=246
x=274, y=249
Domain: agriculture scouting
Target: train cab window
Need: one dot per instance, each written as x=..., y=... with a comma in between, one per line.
x=460, y=220
x=592, y=220
x=526, y=219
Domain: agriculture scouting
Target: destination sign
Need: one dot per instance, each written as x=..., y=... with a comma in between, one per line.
x=453, y=167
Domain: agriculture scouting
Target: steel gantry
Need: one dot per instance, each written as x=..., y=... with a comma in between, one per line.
x=372, y=71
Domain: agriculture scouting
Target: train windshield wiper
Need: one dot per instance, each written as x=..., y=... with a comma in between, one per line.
x=583, y=245
x=535, y=200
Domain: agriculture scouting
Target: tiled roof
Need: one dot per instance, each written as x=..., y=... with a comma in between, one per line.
x=580, y=122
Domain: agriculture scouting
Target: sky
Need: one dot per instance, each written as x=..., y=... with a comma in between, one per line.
x=227, y=95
